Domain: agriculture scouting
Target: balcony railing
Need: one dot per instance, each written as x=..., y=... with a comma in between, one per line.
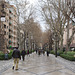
x=10, y=41
x=10, y=11
x=10, y=23
x=10, y=30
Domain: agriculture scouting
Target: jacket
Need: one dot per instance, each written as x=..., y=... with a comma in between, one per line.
x=16, y=54
x=23, y=52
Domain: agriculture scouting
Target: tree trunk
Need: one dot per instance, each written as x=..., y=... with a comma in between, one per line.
x=67, y=46
x=61, y=47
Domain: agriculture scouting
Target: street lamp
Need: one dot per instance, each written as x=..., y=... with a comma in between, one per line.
x=56, y=44
x=27, y=42
x=24, y=40
x=31, y=42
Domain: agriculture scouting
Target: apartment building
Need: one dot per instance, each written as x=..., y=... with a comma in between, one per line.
x=8, y=25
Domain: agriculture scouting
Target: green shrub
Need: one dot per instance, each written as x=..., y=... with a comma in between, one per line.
x=68, y=57
x=59, y=52
x=52, y=52
x=2, y=55
x=30, y=51
x=71, y=53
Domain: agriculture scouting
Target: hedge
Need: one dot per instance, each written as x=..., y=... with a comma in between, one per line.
x=68, y=55
x=2, y=55
x=58, y=52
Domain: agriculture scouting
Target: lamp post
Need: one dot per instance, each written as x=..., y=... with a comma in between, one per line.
x=24, y=40
x=31, y=42
x=56, y=44
x=27, y=42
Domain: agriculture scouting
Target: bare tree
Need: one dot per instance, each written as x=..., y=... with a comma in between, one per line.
x=58, y=13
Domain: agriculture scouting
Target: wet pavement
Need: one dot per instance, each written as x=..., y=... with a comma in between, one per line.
x=42, y=65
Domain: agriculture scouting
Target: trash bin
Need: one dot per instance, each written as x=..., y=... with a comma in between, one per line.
x=6, y=56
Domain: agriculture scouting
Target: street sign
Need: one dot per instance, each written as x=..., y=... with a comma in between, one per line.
x=3, y=19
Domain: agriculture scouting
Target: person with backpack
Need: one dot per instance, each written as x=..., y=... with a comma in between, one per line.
x=16, y=56
x=47, y=53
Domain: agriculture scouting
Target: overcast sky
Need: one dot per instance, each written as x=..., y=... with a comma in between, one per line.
x=35, y=3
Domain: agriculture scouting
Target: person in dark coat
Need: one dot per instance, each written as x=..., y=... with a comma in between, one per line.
x=36, y=51
x=23, y=54
x=47, y=53
x=28, y=53
x=16, y=56
x=39, y=52
x=43, y=52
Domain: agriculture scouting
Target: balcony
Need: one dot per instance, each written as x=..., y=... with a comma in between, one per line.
x=10, y=36
x=9, y=17
x=3, y=12
x=10, y=27
x=10, y=23
x=10, y=11
x=10, y=30
x=10, y=41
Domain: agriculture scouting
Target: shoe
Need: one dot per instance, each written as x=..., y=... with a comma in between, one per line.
x=13, y=67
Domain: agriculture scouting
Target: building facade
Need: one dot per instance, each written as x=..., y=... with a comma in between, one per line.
x=12, y=27
x=8, y=25
x=4, y=25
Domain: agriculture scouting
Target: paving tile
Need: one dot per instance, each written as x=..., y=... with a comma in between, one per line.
x=56, y=73
x=40, y=65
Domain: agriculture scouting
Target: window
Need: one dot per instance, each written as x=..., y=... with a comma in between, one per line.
x=3, y=16
x=9, y=17
x=4, y=26
x=7, y=33
x=4, y=32
x=9, y=11
x=3, y=6
x=3, y=12
x=7, y=26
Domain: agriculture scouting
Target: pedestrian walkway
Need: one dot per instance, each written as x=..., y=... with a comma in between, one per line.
x=42, y=65
x=5, y=65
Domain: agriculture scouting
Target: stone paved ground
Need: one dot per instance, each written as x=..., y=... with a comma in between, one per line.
x=4, y=65
x=40, y=65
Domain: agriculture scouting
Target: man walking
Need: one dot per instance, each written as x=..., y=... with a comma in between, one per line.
x=16, y=56
x=23, y=54
x=47, y=53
